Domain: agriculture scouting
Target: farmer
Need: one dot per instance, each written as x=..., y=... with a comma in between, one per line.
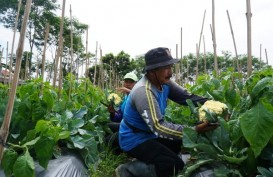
x=129, y=81
x=144, y=134
x=116, y=116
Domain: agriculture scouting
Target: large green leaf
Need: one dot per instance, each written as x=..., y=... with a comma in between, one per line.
x=189, y=138
x=232, y=97
x=49, y=97
x=24, y=166
x=261, y=85
x=196, y=165
x=77, y=123
x=220, y=137
x=192, y=140
x=265, y=172
x=80, y=113
x=217, y=95
x=44, y=150
x=78, y=142
x=256, y=125
x=8, y=161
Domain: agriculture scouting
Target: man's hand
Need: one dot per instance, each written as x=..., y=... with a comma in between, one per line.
x=205, y=127
x=123, y=90
x=111, y=109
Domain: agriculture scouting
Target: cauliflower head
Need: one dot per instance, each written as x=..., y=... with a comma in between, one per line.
x=115, y=98
x=216, y=107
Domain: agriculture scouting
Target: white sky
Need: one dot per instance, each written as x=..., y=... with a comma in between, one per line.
x=135, y=26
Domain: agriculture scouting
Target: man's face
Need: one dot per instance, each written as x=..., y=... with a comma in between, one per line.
x=164, y=73
x=129, y=83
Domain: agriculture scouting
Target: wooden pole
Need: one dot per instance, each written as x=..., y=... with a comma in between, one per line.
x=44, y=51
x=61, y=71
x=249, y=40
x=9, y=109
x=86, y=52
x=59, y=46
x=95, y=70
x=214, y=39
x=101, y=71
x=86, y=57
x=197, y=61
x=71, y=40
x=26, y=67
x=266, y=56
x=234, y=44
x=201, y=33
x=13, y=39
x=205, y=59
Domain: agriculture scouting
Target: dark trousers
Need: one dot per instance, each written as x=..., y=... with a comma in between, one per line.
x=162, y=153
x=111, y=140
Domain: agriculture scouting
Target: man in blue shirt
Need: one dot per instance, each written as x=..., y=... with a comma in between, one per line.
x=144, y=133
x=116, y=116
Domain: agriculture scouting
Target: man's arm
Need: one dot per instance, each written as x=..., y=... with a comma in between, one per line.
x=147, y=105
x=179, y=95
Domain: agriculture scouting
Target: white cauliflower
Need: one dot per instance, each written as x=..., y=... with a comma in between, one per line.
x=213, y=106
x=115, y=98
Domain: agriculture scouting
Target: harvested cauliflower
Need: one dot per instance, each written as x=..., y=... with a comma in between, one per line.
x=115, y=98
x=214, y=107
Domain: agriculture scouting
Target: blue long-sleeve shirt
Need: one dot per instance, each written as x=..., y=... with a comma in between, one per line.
x=145, y=110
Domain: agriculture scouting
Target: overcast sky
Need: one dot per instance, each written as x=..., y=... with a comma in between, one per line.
x=135, y=26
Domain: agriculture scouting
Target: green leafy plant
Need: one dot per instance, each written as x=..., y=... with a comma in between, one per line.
x=265, y=172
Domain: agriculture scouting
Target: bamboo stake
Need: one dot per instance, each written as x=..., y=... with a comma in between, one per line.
x=197, y=61
x=249, y=40
x=266, y=56
x=71, y=39
x=44, y=51
x=214, y=40
x=95, y=71
x=9, y=109
x=13, y=39
x=234, y=44
x=198, y=46
x=26, y=67
x=86, y=58
x=61, y=71
x=101, y=70
x=201, y=33
x=54, y=65
x=205, y=60
x=59, y=46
